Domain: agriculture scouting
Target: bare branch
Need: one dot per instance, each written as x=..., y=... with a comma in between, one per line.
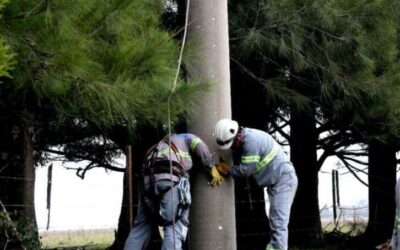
x=349, y=167
x=325, y=127
x=279, y=129
x=354, y=153
x=356, y=161
x=322, y=159
x=92, y=164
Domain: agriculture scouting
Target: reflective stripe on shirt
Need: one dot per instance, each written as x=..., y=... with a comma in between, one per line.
x=269, y=247
x=250, y=159
x=194, y=143
x=267, y=159
x=167, y=151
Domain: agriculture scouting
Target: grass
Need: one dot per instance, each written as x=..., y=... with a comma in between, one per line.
x=95, y=239
x=100, y=239
x=349, y=227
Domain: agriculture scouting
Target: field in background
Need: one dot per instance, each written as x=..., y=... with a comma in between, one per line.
x=94, y=239
x=100, y=239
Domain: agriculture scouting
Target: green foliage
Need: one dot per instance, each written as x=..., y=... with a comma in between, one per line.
x=6, y=57
x=6, y=60
x=304, y=41
x=337, y=55
x=3, y=3
x=20, y=230
x=104, y=61
x=28, y=232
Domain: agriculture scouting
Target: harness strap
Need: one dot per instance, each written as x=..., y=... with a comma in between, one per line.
x=176, y=152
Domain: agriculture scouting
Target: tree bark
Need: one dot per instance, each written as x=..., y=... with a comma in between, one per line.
x=213, y=209
x=17, y=185
x=382, y=182
x=305, y=222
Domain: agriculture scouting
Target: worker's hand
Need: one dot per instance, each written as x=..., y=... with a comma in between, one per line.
x=217, y=179
x=222, y=168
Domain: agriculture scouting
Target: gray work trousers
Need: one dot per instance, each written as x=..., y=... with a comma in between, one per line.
x=281, y=196
x=395, y=242
x=148, y=214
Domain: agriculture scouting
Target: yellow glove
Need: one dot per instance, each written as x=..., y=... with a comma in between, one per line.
x=217, y=179
x=222, y=168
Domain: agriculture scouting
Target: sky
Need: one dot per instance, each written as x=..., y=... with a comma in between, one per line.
x=95, y=201
x=91, y=203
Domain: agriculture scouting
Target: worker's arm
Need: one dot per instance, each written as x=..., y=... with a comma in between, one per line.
x=200, y=149
x=197, y=146
x=248, y=161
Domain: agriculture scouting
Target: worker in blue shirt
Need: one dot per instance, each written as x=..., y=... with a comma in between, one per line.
x=257, y=154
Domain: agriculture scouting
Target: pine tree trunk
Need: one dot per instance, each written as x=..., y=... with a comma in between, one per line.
x=382, y=182
x=305, y=222
x=17, y=189
x=213, y=209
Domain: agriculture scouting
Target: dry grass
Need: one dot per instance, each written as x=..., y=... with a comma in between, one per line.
x=95, y=239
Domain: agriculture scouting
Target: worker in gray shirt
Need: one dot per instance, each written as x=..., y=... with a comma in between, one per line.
x=257, y=154
x=165, y=191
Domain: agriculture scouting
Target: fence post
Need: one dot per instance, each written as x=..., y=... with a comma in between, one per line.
x=49, y=181
x=334, y=196
x=129, y=173
x=337, y=188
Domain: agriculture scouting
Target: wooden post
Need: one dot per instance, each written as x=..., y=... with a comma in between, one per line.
x=49, y=181
x=334, y=196
x=129, y=173
x=337, y=188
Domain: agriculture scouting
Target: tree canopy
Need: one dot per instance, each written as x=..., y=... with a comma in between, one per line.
x=103, y=62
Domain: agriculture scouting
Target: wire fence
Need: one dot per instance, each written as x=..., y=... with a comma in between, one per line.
x=104, y=234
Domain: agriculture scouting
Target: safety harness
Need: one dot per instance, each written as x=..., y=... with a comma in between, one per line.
x=154, y=165
x=155, y=168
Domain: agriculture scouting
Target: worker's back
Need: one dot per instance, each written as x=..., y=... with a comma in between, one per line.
x=273, y=160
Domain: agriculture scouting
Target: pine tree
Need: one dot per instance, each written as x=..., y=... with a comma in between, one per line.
x=6, y=58
x=318, y=61
x=79, y=65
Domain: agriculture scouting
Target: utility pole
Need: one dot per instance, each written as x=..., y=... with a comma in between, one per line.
x=213, y=209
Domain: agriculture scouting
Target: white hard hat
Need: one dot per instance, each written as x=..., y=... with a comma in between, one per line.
x=225, y=132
